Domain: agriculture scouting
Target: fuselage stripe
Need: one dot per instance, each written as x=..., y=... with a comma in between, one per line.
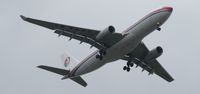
x=72, y=73
x=144, y=18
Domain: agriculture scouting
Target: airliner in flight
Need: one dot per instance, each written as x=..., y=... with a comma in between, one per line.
x=113, y=46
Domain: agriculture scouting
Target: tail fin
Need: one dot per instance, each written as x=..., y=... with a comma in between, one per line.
x=64, y=72
x=67, y=59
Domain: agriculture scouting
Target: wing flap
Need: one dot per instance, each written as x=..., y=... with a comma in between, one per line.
x=81, y=38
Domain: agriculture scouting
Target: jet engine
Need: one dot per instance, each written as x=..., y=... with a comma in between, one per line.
x=109, y=30
x=153, y=54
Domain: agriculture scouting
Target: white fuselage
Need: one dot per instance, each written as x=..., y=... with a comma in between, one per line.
x=132, y=37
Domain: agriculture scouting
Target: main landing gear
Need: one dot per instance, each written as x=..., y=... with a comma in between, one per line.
x=137, y=63
x=129, y=64
x=101, y=54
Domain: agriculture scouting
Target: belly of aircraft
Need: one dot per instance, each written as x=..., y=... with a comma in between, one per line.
x=114, y=53
x=124, y=46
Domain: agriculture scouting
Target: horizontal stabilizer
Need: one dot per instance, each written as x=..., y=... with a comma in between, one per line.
x=79, y=80
x=54, y=70
x=63, y=72
x=23, y=17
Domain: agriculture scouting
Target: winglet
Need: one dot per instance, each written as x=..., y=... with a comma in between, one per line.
x=23, y=17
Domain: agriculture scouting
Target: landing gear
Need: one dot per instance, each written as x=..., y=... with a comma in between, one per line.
x=158, y=26
x=100, y=57
x=159, y=29
x=127, y=68
x=129, y=64
x=124, y=68
x=101, y=54
x=136, y=62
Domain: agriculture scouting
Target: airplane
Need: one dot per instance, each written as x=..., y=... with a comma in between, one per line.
x=112, y=46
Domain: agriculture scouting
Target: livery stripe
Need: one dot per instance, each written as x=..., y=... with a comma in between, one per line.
x=146, y=17
x=72, y=73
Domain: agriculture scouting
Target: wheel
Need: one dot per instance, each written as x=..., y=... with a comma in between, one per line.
x=128, y=69
x=159, y=29
x=128, y=63
x=131, y=64
x=97, y=56
x=124, y=68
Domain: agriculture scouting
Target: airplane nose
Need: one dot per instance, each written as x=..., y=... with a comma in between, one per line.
x=168, y=8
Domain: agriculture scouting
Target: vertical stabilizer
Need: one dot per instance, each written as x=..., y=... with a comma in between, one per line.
x=68, y=59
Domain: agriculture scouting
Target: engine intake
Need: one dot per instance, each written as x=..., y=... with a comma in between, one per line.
x=109, y=30
x=153, y=54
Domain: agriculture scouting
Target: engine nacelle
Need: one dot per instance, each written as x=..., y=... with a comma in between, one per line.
x=109, y=30
x=153, y=54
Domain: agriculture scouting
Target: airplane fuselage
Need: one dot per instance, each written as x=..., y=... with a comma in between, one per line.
x=132, y=37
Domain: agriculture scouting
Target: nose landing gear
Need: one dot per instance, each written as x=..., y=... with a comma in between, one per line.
x=158, y=26
x=159, y=29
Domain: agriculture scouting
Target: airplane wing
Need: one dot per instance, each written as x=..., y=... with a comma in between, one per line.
x=152, y=66
x=81, y=34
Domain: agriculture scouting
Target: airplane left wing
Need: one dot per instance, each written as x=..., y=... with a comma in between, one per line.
x=152, y=66
x=81, y=34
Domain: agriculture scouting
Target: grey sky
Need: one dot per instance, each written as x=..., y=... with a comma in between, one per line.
x=24, y=46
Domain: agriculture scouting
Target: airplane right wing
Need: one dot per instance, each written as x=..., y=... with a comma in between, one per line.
x=81, y=34
x=152, y=66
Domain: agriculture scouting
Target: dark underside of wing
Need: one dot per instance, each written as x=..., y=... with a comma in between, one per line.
x=78, y=33
x=152, y=66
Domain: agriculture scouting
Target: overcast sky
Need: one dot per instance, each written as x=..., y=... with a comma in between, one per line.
x=25, y=46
